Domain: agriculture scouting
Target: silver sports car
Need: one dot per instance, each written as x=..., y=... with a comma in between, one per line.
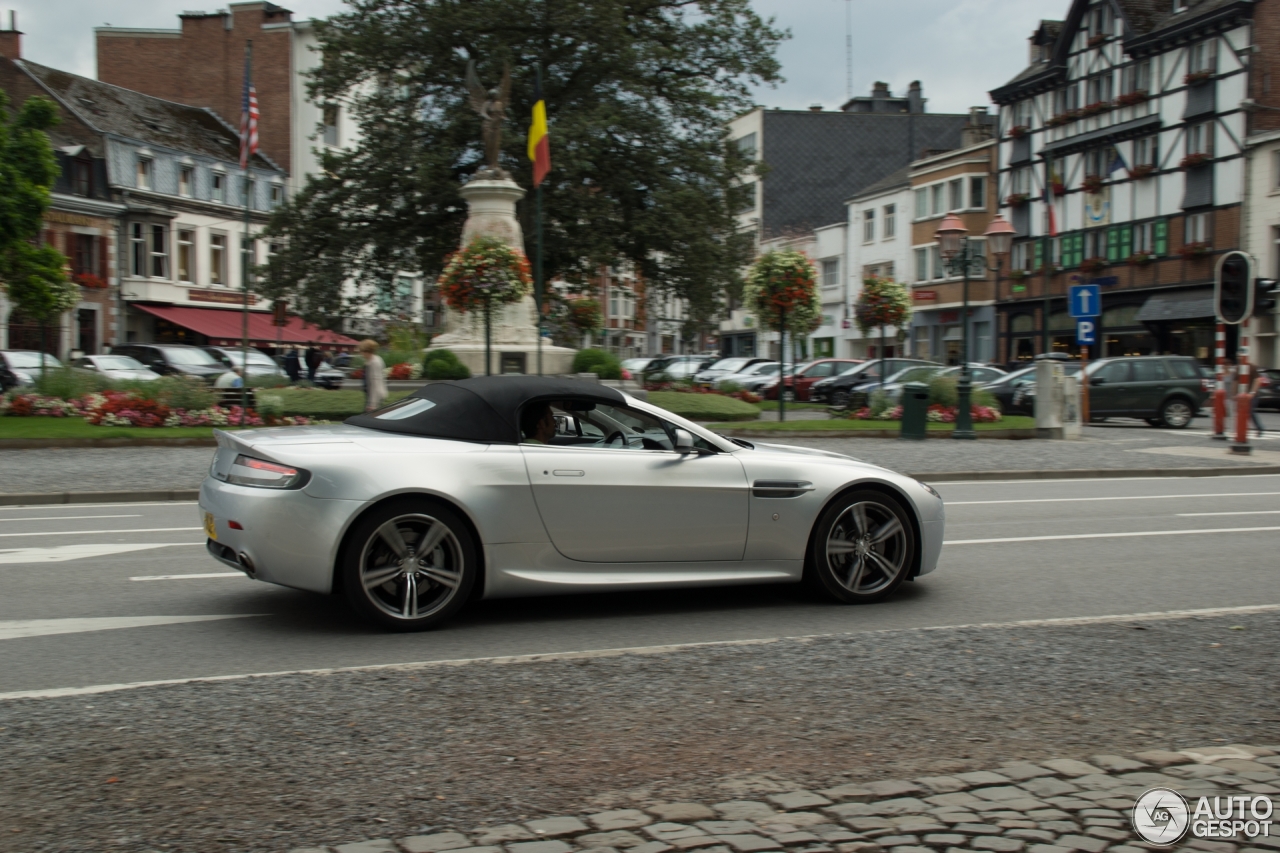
x=517, y=485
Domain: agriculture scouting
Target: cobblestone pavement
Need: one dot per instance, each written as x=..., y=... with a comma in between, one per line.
x=124, y=468
x=784, y=745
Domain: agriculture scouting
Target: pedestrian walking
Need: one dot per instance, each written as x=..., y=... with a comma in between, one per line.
x=293, y=365
x=375, y=376
x=313, y=361
x=1260, y=381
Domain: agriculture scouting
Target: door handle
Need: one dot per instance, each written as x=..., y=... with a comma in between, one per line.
x=566, y=472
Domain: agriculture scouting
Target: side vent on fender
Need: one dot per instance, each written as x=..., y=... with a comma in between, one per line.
x=780, y=488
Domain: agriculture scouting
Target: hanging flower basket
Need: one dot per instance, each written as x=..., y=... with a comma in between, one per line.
x=1019, y=275
x=1092, y=184
x=1129, y=99
x=486, y=270
x=1146, y=170
x=1018, y=131
x=89, y=280
x=1141, y=259
x=1062, y=118
x=1058, y=188
x=1093, y=265
x=1096, y=108
x=1192, y=251
x=1194, y=161
x=1017, y=199
x=1195, y=78
x=882, y=302
x=783, y=283
x=585, y=315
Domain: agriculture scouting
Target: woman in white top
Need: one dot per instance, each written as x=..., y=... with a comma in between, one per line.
x=375, y=376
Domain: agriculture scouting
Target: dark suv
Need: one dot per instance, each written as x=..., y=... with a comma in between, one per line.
x=1163, y=390
x=174, y=360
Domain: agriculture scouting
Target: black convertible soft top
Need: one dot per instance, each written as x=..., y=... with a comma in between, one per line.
x=485, y=408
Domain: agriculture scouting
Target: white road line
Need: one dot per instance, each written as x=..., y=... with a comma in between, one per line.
x=50, y=507
x=68, y=517
x=120, y=531
x=189, y=577
x=55, y=692
x=1246, y=512
x=1108, y=535
x=1112, y=498
x=62, y=553
x=15, y=629
x=1038, y=481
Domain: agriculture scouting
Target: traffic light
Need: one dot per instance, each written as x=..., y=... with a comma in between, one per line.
x=1231, y=292
x=1265, y=293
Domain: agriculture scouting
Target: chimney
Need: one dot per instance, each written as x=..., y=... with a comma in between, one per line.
x=978, y=130
x=815, y=108
x=11, y=39
x=915, y=98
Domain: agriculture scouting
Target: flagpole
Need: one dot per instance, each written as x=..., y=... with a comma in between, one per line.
x=244, y=255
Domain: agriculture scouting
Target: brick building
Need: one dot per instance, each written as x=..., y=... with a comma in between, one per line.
x=1134, y=113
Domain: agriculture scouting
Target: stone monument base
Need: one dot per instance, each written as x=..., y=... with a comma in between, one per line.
x=512, y=358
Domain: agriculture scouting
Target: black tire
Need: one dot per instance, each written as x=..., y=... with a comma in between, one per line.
x=858, y=569
x=1176, y=413
x=441, y=580
x=839, y=399
x=1155, y=422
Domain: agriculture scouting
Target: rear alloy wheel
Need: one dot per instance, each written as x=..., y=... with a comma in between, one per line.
x=863, y=548
x=839, y=399
x=1176, y=413
x=410, y=566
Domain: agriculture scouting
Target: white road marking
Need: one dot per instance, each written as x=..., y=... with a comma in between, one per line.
x=1246, y=512
x=55, y=692
x=62, y=553
x=12, y=629
x=51, y=507
x=189, y=577
x=69, y=517
x=1109, y=535
x=1113, y=498
x=89, y=532
x=1022, y=481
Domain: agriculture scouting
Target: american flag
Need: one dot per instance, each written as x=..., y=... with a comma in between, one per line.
x=248, y=118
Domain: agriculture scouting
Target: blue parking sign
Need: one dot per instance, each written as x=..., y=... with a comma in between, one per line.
x=1086, y=332
x=1085, y=300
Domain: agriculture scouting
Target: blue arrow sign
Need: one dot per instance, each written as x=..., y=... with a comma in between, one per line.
x=1086, y=332
x=1085, y=300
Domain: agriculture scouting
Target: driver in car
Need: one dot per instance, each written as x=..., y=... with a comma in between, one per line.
x=537, y=424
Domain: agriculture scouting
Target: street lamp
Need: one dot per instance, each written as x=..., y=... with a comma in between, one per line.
x=961, y=256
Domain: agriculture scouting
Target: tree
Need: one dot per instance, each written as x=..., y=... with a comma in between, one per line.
x=34, y=276
x=882, y=302
x=782, y=293
x=638, y=94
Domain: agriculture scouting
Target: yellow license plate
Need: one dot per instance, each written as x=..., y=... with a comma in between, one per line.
x=210, y=527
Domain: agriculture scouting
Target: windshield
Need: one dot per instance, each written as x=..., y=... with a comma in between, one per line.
x=732, y=365
x=30, y=359
x=118, y=362
x=255, y=357
x=764, y=368
x=196, y=357
x=913, y=374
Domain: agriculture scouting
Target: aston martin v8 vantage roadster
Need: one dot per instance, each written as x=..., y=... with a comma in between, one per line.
x=517, y=485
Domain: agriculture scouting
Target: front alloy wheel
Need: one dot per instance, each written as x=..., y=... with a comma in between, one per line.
x=862, y=549
x=1176, y=414
x=411, y=565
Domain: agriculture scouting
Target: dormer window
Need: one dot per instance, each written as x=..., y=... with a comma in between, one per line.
x=218, y=190
x=277, y=195
x=144, y=173
x=82, y=177
x=186, y=180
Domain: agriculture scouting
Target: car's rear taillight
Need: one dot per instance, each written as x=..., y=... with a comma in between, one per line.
x=249, y=471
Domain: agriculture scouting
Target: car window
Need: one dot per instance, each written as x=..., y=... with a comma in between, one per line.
x=730, y=364
x=193, y=356
x=1112, y=372
x=823, y=368
x=117, y=362
x=1184, y=369
x=597, y=426
x=1149, y=370
x=27, y=360
x=985, y=374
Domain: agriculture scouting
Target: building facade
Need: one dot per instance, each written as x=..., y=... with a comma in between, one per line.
x=1122, y=163
x=879, y=244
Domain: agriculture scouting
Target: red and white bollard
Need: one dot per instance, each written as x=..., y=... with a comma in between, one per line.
x=1243, y=398
x=1220, y=391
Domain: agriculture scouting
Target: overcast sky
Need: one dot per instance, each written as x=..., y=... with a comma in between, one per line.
x=958, y=49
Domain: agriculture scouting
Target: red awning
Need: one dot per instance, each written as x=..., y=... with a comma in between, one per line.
x=225, y=327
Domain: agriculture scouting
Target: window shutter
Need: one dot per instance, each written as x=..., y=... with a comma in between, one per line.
x=1162, y=237
x=1079, y=248
x=1113, y=245
x=1126, y=243
x=1038, y=256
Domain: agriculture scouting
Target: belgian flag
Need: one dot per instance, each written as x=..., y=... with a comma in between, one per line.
x=539, y=142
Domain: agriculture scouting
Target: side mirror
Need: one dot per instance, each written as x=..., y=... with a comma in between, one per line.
x=684, y=441
x=1101, y=380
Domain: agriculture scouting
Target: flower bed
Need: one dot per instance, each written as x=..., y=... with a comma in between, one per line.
x=744, y=396
x=936, y=414
x=404, y=370
x=127, y=408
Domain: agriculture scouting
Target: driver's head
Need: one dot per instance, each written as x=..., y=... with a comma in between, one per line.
x=538, y=423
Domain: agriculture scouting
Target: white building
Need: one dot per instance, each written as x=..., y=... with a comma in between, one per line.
x=1261, y=237
x=879, y=244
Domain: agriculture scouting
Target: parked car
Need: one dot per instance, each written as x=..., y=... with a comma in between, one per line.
x=723, y=367
x=8, y=379
x=748, y=378
x=116, y=367
x=798, y=385
x=635, y=367
x=25, y=364
x=1268, y=394
x=835, y=389
x=328, y=377
x=174, y=360
x=260, y=364
x=1163, y=390
x=1016, y=391
x=678, y=367
x=979, y=374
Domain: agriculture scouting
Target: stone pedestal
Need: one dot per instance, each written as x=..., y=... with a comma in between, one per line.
x=491, y=201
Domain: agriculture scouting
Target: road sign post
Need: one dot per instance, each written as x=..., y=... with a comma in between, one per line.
x=1086, y=336
x=1084, y=300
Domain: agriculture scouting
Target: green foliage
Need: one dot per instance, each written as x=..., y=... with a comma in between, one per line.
x=406, y=337
x=33, y=276
x=269, y=405
x=639, y=94
x=267, y=381
x=176, y=392
x=784, y=282
x=444, y=364
x=704, y=407
x=603, y=364
x=729, y=387
x=942, y=392
x=328, y=405
x=879, y=403
x=67, y=383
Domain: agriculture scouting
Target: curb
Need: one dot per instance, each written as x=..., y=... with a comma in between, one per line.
x=1011, y=434
x=39, y=443
x=1093, y=473
x=140, y=496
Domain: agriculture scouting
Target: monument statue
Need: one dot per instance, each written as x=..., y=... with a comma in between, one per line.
x=491, y=104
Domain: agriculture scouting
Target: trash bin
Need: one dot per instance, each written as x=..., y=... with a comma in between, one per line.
x=915, y=408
